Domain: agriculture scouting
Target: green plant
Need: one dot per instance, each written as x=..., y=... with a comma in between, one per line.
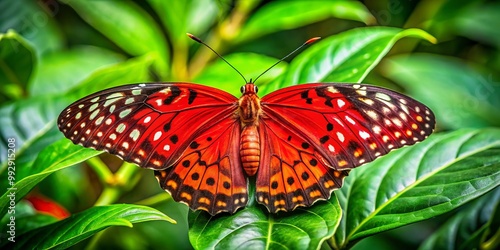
x=119, y=42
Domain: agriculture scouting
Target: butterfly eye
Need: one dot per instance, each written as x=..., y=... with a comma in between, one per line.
x=242, y=89
x=255, y=89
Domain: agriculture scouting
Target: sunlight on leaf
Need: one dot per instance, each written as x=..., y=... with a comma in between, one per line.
x=348, y=56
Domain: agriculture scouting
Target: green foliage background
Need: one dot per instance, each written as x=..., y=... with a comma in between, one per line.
x=439, y=194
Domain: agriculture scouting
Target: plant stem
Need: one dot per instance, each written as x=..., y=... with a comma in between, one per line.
x=102, y=171
x=124, y=179
x=155, y=199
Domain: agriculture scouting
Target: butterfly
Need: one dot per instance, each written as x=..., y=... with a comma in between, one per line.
x=297, y=143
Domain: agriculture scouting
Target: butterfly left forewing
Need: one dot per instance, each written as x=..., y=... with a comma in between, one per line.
x=146, y=124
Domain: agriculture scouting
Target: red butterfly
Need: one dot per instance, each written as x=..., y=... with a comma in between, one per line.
x=298, y=142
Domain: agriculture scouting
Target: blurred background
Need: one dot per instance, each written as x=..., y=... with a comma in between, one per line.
x=70, y=43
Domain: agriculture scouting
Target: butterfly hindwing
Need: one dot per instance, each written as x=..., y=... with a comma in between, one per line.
x=292, y=173
x=209, y=175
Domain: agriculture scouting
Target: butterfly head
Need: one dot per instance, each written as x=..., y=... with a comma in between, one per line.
x=249, y=88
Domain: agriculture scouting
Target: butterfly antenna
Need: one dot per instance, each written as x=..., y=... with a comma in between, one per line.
x=312, y=40
x=206, y=45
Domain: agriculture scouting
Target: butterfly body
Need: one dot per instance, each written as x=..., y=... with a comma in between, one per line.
x=249, y=112
x=299, y=142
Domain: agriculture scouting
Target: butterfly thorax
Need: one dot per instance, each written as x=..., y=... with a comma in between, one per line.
x=249, y=111
x=249, y=108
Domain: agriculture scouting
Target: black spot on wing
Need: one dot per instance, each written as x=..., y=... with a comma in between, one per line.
x=192, y=96
x=174, y=93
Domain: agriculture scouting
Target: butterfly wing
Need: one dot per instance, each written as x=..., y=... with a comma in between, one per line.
x=209, y=175
x=183, y=128
x=315, y=133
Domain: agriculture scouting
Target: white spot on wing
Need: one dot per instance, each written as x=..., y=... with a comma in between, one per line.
x=340, y=102
x=99, y=120
x=332, y=89
x=364, y=134
x=135, y=134
x=383, y=96
x=158, y=102
x=94, y=114
x=157, y=135
x=340, y=136
x=129, y=100
x=121, y=128
x=350, y=120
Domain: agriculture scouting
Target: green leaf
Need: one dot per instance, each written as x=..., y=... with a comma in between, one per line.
x=254, y=228
x=419, y=182
x=471, y=23
x=59, y=155
x=131, y=71
x=221, y=76
x=466, y=229
x=34, y=21
x=459, y=95
x=284, y=15
x=187, y=16
x=127, y=25
x=26, y=122
x=80, y=226
x=59, y=71
x=348, y=56
x=16, y=64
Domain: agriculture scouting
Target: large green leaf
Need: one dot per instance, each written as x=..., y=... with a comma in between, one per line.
x=59, y=71
x=348, y=56
x=127, y=25
x=467, y=228
x=17, y=59
x=254, y=228
x=221, y=76
x=459, y=95
x=57, y=156
x=284, y=15
x=80, y=226
x=419, y=182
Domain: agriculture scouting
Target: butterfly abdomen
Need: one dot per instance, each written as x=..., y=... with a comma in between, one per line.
x=250, y=149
